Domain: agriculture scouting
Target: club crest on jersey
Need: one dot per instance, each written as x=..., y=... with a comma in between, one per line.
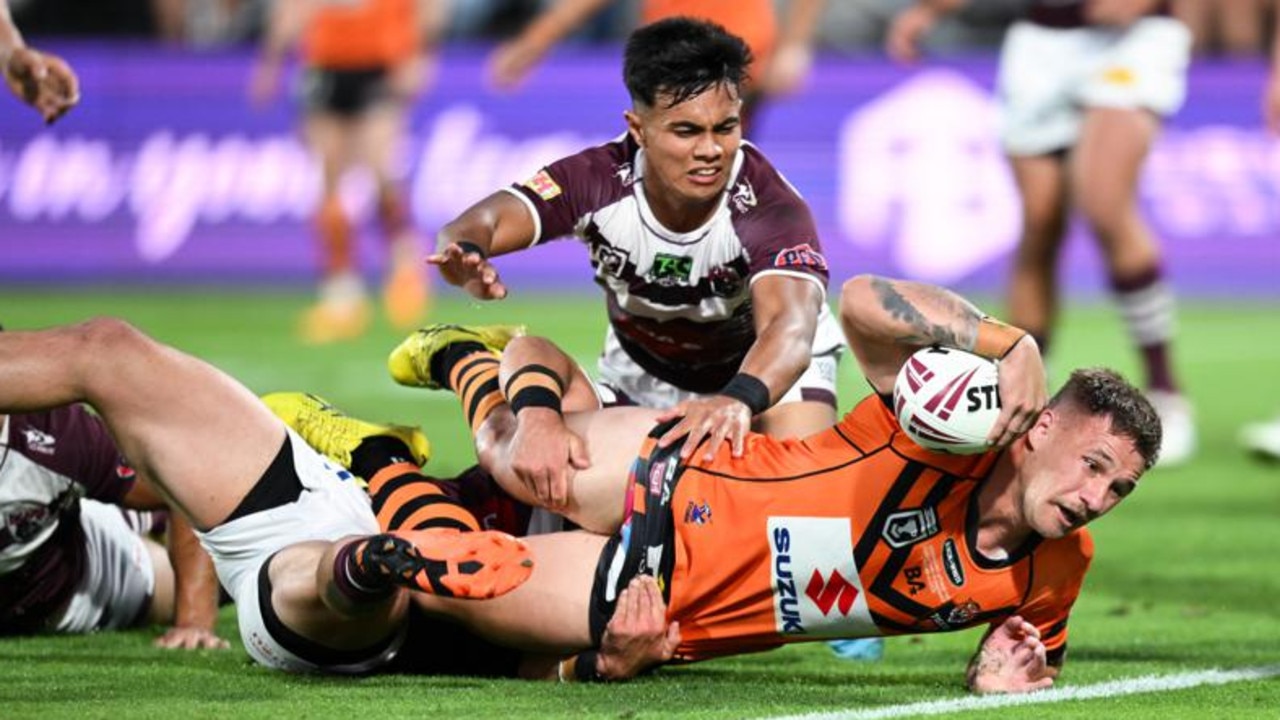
x=40, y=442
x=668, y=270
x=544, y=185
x=744, y=196
x=22, y=522
x=909, y=527
x=724, y=281
x=624, y=174
x=800, y=256
x=814, y=581
x=697, y=513
x=610, y=260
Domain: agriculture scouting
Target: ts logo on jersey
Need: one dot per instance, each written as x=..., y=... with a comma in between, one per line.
x=671, y=270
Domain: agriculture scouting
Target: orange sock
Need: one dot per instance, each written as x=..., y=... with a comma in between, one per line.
x=405, y=499
x=475, y=379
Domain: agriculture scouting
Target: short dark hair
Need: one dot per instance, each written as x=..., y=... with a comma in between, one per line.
x=1100, y=391
x=682, y=57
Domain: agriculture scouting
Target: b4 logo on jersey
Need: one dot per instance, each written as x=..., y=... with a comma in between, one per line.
x=670, y=270
x=800, y=256
x=544, y=185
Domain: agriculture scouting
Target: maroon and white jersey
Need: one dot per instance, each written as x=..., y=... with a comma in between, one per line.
x=48, y=461
x=1070, y=13
x=679, y=303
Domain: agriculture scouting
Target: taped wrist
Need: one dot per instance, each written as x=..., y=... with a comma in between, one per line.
x=534, y=386
x=749, y=390
x=996, y=339
x=584, y=667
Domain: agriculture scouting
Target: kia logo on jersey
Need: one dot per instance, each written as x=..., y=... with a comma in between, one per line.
x=815, y=583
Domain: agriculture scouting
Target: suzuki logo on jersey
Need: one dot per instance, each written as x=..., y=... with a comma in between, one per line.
x=909, y=527
x=800, y=256
x=670, y=270
x=815, y=583
x=40, y=442
x=828, y=592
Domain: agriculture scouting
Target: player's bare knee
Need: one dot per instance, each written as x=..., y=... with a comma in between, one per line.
x=101, y=341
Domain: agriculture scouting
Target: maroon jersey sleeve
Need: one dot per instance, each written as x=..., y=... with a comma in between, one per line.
x=564, y=191
x=774, y=223
x=74, y=442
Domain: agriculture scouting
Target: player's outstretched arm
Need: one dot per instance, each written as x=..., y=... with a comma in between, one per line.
x=1011, y=659
x=785, y=311
x=42, y=80
x=886, y=320
x=512, y=62
x=496, y=225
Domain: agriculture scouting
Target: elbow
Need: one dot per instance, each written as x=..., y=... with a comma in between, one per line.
x=856, y=295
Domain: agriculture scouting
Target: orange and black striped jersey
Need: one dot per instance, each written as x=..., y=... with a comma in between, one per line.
x=361, y=34
x=852, y=532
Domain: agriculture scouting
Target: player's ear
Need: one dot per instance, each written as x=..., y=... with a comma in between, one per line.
x=634, y=126
x=1038, y=435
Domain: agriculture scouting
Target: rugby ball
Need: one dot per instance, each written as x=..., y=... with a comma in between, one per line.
x=947, y=399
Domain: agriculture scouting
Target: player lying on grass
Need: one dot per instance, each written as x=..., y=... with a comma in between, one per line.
x=852, y=532
x=294, y=541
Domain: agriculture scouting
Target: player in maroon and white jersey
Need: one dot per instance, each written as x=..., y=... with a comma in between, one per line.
x=69, y=561
x=1083, y=87
x=712, y=269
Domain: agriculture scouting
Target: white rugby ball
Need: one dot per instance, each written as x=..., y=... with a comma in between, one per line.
x=947, y=399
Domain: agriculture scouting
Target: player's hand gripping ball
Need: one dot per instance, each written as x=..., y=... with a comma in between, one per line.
x=947, y=400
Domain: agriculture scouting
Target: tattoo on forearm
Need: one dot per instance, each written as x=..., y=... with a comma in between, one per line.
x=960, y=332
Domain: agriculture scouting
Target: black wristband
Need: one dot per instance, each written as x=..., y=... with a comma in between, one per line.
x=584, y=668
x=536, y=396
x=467, y=247
x=750, y=390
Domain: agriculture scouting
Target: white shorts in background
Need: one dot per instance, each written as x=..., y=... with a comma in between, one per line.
x=119, y=578
x=330, y=507
x=1049, y=76
x=620, y=374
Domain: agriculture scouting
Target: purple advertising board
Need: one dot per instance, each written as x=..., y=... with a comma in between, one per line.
x=165, y=172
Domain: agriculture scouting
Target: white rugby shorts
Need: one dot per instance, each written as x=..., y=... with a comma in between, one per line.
x=1049, y=76
x=119, y=577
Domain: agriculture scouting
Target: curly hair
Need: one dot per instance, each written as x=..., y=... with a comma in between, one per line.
x=1100, y=391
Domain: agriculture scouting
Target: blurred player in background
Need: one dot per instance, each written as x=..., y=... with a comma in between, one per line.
x=1263, y=438
x=781, y=59
x=365, y=62
x=41, y=80
x=1084, y=85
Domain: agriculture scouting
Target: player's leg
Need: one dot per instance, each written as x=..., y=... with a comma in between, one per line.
x=404, y=294
x=341, y=311
x=1106, y=169
x=1033, y=283
x=465, y=360
x=550, y=612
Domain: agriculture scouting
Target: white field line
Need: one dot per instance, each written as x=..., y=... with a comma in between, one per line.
x=1114, y=688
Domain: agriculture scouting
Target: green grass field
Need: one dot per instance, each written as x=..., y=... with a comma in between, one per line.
x=1187, y=574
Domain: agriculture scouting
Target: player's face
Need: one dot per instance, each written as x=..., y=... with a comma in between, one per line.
x=1081, y=470
x=689, y=148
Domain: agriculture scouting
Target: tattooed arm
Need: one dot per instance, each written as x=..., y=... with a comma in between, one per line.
x=887, y=320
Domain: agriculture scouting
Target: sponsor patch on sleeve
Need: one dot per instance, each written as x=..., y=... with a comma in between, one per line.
x=800, y=256
x=544, y=185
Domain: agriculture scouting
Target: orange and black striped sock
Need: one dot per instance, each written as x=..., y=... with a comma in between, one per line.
x=474, y=377
x=405, y=499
